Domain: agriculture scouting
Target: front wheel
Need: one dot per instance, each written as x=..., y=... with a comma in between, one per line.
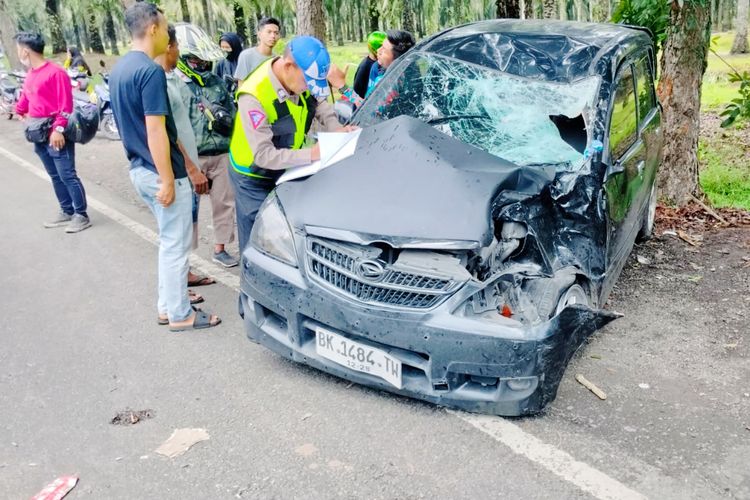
x=108, y=127
x=647, y=223
x=576, y=294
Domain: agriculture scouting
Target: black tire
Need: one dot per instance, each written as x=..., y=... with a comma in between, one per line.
x=108, y=128
x=649, y=217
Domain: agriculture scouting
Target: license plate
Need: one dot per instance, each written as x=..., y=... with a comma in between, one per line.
x=359, y=357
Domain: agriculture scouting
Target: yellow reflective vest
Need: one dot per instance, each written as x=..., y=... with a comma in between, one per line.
x=289, y=123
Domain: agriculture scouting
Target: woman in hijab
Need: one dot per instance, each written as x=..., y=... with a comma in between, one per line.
x=75, y=60
x=231, y=44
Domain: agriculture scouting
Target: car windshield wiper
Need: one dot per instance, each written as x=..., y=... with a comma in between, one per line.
x=443, y=119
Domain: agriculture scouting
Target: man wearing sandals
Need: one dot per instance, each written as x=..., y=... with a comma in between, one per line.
x=138, y=89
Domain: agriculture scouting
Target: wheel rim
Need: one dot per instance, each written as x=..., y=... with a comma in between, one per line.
x=573, y=295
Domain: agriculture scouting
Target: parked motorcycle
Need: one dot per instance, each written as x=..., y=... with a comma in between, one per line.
x=107, y=125
x=11, y=83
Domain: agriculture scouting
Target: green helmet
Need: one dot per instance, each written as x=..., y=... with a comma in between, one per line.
x=195, y=42
x=374, y=41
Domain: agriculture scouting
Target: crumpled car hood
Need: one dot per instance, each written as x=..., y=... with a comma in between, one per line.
x=408, y=180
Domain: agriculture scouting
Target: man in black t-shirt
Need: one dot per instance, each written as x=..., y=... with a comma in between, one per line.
x=140, y=104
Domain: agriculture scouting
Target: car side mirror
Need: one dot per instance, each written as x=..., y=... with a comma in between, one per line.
x=344, y=111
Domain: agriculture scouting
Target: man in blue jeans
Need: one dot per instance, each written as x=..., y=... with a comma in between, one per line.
x=47, y=94
x=138, y=89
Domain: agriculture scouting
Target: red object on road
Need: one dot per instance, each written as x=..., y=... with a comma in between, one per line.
x=57, y=489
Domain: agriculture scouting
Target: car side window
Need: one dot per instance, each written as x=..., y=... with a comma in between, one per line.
x=623, y=126
x=645, y=84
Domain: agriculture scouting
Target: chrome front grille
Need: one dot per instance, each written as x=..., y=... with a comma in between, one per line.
x=335, y=266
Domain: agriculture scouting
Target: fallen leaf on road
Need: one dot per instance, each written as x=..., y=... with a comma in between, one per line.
x=181, y=441
x=590, y=386
x=306, y=416
x=695, y=279
x=57, y=489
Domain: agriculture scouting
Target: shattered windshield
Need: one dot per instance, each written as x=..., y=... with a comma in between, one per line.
x=520, y=120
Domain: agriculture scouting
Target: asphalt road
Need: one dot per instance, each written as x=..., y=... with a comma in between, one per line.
x=80, y=343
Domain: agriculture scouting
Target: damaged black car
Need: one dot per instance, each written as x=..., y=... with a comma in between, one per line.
x=466, y=249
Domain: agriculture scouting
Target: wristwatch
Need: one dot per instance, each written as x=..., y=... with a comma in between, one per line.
x=60, y=129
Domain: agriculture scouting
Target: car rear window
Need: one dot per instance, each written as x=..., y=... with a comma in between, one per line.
x=646, y=98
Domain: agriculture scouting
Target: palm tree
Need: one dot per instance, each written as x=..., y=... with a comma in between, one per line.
x=186, y=11
x=92, y=28
x=507, y=9
x=684, y=60
x=311, y=18
x=55, y=26
x=549, y=9
x=740, y=38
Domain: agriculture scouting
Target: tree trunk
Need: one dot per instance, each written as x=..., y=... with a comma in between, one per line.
x=206, y=16
x=528, y=9
x=7, y=32
x=311, y=19
x=55, y=27
x=336, y=21
x=507, y=9
x=110, y=31
x=549, y=9
x=407, y=16
x=740, y=39
x=95, y=39
x=240, y=24
x=360, y=21
x=684, y=60
x=186, y=10
x=77, y=34
x=373, y=14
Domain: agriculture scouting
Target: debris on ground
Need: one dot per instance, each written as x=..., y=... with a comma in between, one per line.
x=645, y=261
x=644, y=386
x=131, y=417
x=590, y=386
x=181, y=441
x=697, y=217
x=57, y=489
x=306, y=416
x=693, y=241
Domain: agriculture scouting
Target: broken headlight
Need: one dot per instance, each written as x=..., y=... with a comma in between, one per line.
x=272, y=234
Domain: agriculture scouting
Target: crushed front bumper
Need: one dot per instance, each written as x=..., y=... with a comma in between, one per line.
x=456, y=361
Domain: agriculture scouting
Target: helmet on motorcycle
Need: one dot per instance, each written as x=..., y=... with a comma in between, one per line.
x=195, y=42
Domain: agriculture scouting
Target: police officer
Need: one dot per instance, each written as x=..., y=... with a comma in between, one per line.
x=276, y=106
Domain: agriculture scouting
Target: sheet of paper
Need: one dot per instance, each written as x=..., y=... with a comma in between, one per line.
x=334, y=147
x=297, y=172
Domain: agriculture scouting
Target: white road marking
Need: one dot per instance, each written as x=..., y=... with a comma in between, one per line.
x=198, y=263
x=560, y=463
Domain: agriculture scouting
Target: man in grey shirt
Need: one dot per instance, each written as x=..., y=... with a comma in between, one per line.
x=269, y=32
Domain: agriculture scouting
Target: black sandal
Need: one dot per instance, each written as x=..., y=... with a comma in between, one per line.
x=201, y=321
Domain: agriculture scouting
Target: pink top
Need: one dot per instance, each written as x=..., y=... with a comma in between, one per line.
x=47, y=92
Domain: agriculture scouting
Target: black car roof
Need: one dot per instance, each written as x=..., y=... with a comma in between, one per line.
x=542, y=49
